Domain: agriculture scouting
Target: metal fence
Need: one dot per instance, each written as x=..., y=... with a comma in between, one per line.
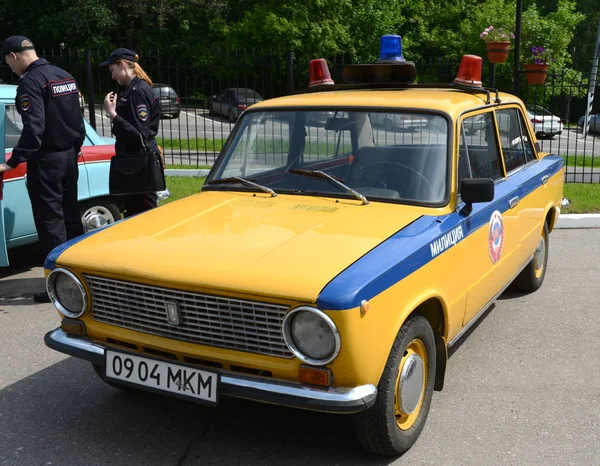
x=194, y=137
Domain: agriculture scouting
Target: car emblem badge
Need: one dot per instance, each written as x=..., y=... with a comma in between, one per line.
x=173, y=316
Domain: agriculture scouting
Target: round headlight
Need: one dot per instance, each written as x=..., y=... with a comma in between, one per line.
x=66, y=292
x=311, y=335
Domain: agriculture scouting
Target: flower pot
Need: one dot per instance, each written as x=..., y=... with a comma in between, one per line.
x=536, y=73
x=497, y=52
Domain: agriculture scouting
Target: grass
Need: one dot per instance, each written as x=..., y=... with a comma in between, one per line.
x=182, y=186
x=584, y=198
x=170, y=166
x=582, y=161
x=204, y=144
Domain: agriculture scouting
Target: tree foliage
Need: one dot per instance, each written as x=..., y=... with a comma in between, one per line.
x=430, y=29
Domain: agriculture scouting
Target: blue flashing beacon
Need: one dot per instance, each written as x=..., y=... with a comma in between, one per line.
x=390, y=48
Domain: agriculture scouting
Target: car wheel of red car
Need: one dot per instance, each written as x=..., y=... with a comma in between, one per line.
x=393, y=424
x=98, y=213
x=532, y=276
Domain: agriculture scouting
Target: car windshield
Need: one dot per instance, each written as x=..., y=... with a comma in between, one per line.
x=392, y=156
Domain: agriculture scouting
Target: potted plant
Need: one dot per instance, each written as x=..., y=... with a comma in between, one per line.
x=536, y=65
x=497, y=41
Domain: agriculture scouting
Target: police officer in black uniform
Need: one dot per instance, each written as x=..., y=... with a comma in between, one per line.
x=135, y=115
x=53, y=133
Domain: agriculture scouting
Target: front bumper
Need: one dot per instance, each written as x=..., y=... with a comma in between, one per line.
x=340, y=400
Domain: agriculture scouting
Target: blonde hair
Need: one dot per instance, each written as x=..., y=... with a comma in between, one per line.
x=137, y=70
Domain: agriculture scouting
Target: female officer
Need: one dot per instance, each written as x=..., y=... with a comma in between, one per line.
x=136, y=112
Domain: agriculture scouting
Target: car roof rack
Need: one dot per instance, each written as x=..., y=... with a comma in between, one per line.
x=396, y=85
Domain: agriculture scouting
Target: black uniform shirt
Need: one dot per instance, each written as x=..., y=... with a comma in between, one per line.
x=138, y=113
x=48, y=102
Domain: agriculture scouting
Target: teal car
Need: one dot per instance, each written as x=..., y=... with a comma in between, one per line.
x=98, y=208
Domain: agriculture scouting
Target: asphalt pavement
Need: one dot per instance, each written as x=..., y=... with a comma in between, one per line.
x=523, y=388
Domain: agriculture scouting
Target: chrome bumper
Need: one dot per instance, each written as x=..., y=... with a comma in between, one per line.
x=332, y=400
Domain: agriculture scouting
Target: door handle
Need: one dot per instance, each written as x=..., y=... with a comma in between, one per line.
x=544, y=179
x=513, y=202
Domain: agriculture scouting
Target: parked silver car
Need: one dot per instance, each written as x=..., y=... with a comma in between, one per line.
x=594, y=123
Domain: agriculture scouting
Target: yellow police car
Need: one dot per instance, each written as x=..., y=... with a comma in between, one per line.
x=330, y=261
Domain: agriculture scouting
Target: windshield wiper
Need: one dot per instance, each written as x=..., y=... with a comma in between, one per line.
x=246, y=181
x=337, y=181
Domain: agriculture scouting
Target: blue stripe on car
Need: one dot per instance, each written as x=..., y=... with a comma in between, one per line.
x=410, y=248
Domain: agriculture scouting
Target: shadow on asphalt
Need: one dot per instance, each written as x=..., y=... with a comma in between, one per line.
x=66, y=415
x=23, y=259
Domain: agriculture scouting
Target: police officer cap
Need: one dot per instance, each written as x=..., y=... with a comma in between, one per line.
x=121, y=54
x=14, y=44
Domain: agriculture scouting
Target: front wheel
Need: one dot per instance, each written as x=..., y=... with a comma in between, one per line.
x=532, y=276
x=393, y=424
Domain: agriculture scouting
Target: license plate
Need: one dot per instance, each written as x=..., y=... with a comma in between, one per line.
x=175, y=379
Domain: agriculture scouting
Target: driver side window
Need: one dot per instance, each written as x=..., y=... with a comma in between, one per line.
x=13, y=126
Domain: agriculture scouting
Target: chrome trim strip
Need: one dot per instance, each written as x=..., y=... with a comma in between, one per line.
x=485, y=308
x=333, y=399
x=51, y=290
x=289, y=340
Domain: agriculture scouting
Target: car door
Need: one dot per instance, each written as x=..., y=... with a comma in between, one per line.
x=490, y=240
x=3, y=251
x=526, y=175
x=19, y=226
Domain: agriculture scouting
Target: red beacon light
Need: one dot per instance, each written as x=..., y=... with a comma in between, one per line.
x=469, y=72
x=318, y=73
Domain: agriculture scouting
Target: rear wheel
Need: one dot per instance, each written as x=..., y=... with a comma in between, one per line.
x=393, y=424
x=532, y=276
x=388, y=125
x=98, y=213
x=231, y=117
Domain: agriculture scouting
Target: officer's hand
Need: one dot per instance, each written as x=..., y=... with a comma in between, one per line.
x=110, y=104
x=5, y=168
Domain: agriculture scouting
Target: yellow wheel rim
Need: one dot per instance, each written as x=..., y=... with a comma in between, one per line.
x=538, y=258
x=410, y=384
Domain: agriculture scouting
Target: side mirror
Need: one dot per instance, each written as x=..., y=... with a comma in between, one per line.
x=473, y=190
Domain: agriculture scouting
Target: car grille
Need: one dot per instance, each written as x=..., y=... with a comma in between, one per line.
x=205, y=319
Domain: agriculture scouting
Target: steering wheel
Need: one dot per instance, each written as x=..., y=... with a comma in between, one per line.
x=420, y=175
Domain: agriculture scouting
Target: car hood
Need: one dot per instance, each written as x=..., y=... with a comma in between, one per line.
x=288, y=246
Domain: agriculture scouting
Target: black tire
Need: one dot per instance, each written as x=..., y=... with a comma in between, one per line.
x=176, y=115
x=231, y=117
x=388, y=125
x=532, y=276
x=378, y=428
x=104, y=207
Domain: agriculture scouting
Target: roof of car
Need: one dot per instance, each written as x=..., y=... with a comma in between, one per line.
x=451, y=101
x=8, y=91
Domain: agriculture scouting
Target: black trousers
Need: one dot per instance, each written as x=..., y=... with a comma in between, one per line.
x=52, y=187
x=138, y=203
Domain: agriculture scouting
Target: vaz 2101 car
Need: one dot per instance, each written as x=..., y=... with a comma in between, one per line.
x=324, y=267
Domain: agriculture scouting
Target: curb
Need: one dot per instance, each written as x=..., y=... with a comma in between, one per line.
x=565, y=221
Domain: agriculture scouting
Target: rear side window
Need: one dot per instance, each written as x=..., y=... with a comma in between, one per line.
x=516, y=146
x=478, y=155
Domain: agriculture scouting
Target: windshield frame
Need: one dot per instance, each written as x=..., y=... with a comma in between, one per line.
x=236, y=133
